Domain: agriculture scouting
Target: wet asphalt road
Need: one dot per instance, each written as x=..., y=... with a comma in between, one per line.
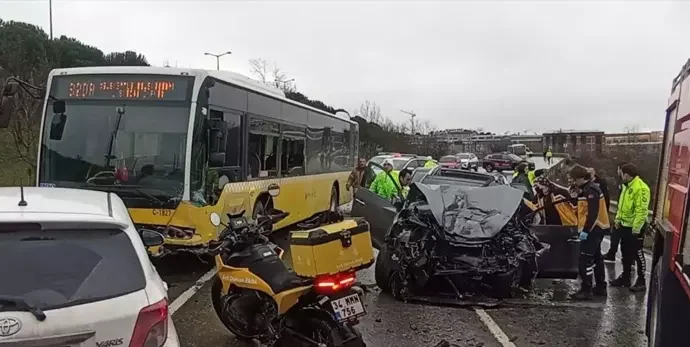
x=544, y=318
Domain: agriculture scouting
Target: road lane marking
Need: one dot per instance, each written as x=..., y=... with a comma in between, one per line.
x=189, y=293
x=495, y=330
x=647, y=257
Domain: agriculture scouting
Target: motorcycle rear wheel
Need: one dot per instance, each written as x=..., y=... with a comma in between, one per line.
x=217, y=302
x=320, y=330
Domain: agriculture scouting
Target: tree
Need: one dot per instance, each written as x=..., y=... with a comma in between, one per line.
x=128, y=58
x=26, y=52
x=275, y=77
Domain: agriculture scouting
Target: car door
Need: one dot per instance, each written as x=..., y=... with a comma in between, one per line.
x=379, y=212
x=561, y=261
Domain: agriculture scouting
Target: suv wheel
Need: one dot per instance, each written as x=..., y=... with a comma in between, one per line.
x=489, y=167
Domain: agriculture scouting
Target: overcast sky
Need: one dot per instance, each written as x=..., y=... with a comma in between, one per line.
x=515, y=66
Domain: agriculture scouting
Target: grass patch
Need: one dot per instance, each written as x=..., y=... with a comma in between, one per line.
x=12, y=170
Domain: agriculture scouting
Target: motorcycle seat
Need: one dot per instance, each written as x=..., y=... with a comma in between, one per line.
x=274, y=272
x=286, y=281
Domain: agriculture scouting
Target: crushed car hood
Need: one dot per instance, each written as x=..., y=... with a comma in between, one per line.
x=469, y=214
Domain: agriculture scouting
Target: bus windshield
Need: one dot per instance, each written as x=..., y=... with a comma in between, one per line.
x=133, y=148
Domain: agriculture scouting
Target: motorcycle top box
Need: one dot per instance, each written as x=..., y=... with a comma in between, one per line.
x=333, y=248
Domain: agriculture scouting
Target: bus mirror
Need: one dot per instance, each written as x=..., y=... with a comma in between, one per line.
x=6, y=110
x=59, y=107
x=217, y=159
x=57, y=126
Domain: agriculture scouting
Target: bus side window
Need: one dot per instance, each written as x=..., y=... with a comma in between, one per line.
x=293, y=149
x=263, y=148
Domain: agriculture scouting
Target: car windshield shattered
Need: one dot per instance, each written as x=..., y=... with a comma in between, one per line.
x=461, y=241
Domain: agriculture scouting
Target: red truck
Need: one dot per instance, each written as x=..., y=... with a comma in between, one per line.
x=668, y=303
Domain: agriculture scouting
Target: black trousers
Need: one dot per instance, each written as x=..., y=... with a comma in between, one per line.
x=631, y=247
x=615, y=241
x=591, y=260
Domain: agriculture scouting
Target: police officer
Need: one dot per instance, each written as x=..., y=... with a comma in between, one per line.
x=549, y=156
x=386, y=188
x=593, y=219
x=430, y=162
x=615, y=235
x=631, y=218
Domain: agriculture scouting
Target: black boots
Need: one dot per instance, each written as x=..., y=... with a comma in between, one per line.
x=600, y=291
x=639, y=286
x=621, y=281
x=582, y=295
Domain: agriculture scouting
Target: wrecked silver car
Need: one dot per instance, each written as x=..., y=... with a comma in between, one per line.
x=459, y=241
x=485, y=253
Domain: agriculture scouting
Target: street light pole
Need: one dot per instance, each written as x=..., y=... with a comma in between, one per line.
x=50, y=13
x=218, y=58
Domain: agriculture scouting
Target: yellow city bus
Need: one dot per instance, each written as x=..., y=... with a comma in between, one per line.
x=178, y=144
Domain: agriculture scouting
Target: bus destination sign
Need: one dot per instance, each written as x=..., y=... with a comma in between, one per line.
x=127, y=87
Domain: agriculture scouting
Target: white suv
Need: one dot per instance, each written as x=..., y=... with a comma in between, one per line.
x=76, y=272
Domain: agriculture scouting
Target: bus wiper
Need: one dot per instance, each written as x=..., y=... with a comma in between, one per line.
x=22, y=305
x=150, y=197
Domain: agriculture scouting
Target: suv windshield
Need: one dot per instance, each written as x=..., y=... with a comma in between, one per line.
x=514, y=157
x=61, y=268
x=464, y=156
x=133, y=148
x=448, y=159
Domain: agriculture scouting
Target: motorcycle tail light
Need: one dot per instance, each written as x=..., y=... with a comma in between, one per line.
x=329, y=284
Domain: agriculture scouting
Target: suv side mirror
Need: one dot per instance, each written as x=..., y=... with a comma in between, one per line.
x=398, y=203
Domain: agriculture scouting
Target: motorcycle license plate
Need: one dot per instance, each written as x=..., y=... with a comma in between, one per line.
x=348, y=307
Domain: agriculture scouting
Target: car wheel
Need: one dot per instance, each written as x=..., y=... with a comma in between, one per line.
x=476, y=168
x=489, y=168
x=382, y=269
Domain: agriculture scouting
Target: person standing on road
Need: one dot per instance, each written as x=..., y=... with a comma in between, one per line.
x=593, y=219
x=545, y=151
x=549, y=156
x=631, y=219
x=355, y=179
x=522, y=176
x=430, y=162
x=615, y=234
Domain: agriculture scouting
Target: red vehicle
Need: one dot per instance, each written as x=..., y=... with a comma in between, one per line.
x=500, y=162
x=668, y=303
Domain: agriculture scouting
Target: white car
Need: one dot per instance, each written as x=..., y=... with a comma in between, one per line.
x=76, y=273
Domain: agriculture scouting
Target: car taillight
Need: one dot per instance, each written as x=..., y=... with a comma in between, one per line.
x=151, y=329
x=329, y=284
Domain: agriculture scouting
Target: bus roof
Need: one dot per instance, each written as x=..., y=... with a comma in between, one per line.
x=225, y=76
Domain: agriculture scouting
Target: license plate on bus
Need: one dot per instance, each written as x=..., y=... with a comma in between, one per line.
x=349, y=307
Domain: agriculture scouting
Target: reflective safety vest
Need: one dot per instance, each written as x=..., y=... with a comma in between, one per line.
x=633, y=204
x=549, y=154
x=430, y=163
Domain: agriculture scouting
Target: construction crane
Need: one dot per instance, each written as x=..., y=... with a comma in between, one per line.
x=412, y=116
